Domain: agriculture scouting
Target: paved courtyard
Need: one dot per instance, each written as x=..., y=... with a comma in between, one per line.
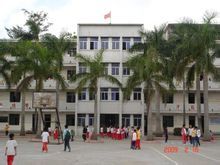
x=111, y=152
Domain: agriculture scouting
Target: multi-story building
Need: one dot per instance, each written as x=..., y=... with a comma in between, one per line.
x=77, y=109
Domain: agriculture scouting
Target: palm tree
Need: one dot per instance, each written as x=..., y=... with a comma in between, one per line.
x=198, y=40
x=91, y=80
x=146, y=69
x=36, y=64
x=59, y=46
x=36, y=24
x=155, y=42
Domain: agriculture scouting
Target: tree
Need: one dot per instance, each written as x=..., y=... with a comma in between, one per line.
x=91, y=80
x=36, y=24
x=200, y=49
x=152, y=60
x=146, y=69
x=5, y=65
x=35, y=62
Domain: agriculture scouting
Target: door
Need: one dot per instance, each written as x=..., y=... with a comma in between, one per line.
x=47, y=119
x=192, y=120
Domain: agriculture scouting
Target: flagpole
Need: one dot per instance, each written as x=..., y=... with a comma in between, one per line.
x=110, y=17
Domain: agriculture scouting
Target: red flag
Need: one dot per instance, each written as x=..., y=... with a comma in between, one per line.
x=107, y=15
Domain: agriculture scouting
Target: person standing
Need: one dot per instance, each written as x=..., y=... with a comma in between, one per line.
x=11, y=149
x=84, y=133
x=190, y=133
x=66, y=137
x=165, y=132
x=72, y=134
x=6, y=129
x=133, y=140
x=138, y=141
x=45, y=139
x=194, y=134
x=183, y=133
x=198, y=135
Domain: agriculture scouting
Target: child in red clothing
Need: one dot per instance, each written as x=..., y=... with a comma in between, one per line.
x=11, y=149
x=45, y=139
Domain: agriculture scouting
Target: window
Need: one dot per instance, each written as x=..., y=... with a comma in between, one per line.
x=72, y=52
x=14, y=119
x=70, y=97
x=167, y=98
x=115, y=93
x=82, y=43
x=137, y=120
x=104, y=43
x=93, y=43
x=168, y=121
x=191, y=98
x=115, y=68
x=201, y=98
x=81, y=118
x=70, y=120
x=82, y=94
x=91, y=95
x=115, y=42
x=82, y=68
x=15, y=96
x=70, y=73
x=91, y=119
x=137, y=94
x=3, y=119
x=137, y=40
x=126, y=70
x=126, y=43
x=104, y=94
x=126, y=120
x=106, y=68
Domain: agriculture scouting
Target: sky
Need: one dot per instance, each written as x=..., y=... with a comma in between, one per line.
x=66, y=14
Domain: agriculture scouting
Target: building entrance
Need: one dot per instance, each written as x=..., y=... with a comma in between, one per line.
x=107, y=120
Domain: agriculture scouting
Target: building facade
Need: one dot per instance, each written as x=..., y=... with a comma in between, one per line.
x=77, y=109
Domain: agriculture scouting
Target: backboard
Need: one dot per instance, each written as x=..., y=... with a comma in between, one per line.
x=44, y=100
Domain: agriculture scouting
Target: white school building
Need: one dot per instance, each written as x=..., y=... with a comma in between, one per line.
x=77, y=110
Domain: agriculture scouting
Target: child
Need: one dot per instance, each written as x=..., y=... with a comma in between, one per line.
x=138, y=141
x=11, y=149
x=72, y=134
x=165, y=132
x=133, y=140
x=6, y=129
x=45, y=140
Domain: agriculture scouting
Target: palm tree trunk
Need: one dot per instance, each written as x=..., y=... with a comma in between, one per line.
x=95, y=133
x=206, y=108
x=22, y=131
x=158, y=131
x=149, y=122
x=38, y=134
x=184, y=101
x=198, y=102
x=57, y=107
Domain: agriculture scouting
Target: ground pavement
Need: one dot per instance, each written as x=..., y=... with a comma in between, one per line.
x=111, y=152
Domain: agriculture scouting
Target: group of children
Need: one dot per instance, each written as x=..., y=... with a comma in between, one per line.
x=115, y=133
x=193, y=134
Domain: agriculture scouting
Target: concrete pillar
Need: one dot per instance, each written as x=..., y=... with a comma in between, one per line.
x=87, y=119
x=131, y=120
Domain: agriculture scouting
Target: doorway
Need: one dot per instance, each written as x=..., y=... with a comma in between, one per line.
x=107, y=120
x=47, y=120
x=192, y=120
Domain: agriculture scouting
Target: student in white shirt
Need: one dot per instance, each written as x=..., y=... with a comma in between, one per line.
x=133, y=140
x=45, y=139
x=11, y=149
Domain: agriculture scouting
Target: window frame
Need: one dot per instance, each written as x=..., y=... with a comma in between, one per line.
x=15, y=120
x=69, y=118
x=115, y=94
x=70, y=97
x=82, y=43
x=115, y=68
